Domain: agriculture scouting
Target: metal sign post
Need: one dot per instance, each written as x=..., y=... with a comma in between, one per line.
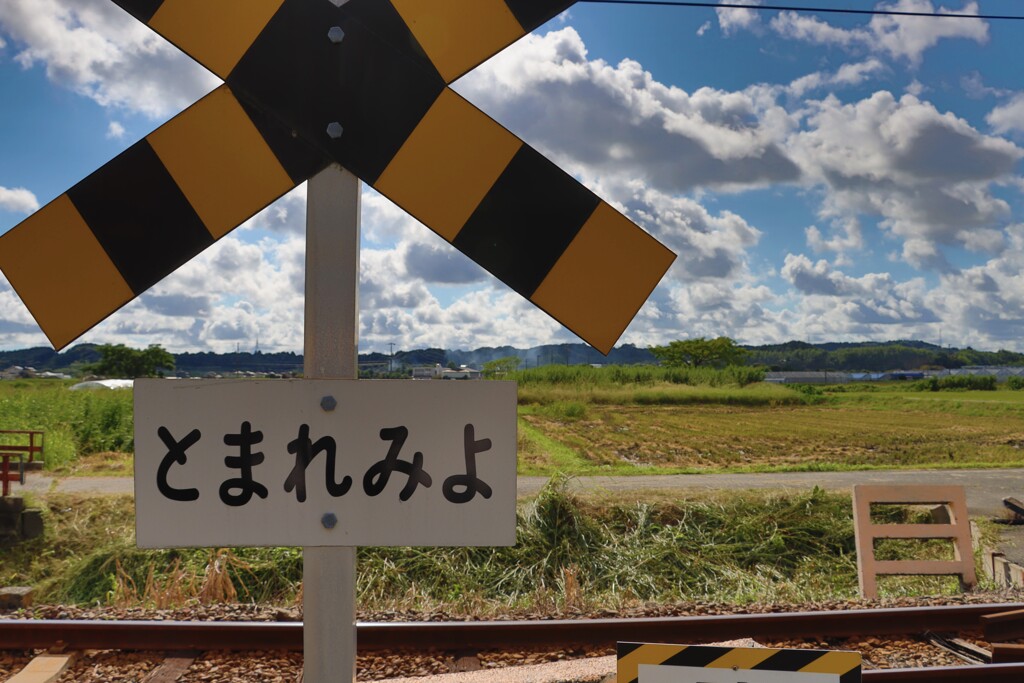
x=331, y=351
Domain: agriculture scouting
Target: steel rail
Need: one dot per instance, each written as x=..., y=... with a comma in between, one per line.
x=482, y=635
x=988, y=673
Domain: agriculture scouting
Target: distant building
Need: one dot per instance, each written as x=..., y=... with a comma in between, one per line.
x=440, y=372
x=423, y=372
x=1000, y=372
x=806, y=377
x=18, y=372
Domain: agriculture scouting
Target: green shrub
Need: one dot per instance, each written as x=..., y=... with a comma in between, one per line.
x=569, y=411
x=75, y=422
x=638, y=375
x=1016, y=383
x=957, y=383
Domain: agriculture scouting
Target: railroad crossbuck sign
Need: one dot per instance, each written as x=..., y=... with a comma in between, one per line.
x=361, y=83
x=655, y=663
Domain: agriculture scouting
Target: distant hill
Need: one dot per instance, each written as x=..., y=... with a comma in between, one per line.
x=793, y=355
x=43, y=358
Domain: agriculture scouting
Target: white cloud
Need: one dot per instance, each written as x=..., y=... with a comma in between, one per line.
x=834, y=303
x=811, y=29
x=983, y=306
x=926, y=174
x=96, y=49
x=1008, y=117
x=115, y=131
x=916, y=88
x=847, y=75
x=18, y=200
x=846, y=236
x=627, y=124
x=732, y=20
x=975, y=88
x=909, y=37
x=709, y=247
x=900, y=37
x=704, y=28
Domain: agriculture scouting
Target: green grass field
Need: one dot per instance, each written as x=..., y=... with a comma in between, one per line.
x=581, y=421
x=572, y=553
x=766, y=428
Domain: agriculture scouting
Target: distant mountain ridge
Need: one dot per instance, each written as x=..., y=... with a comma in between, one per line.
x=793, y=355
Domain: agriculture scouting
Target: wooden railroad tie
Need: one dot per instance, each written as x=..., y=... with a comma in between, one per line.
x=45, y=668
x=171, y=669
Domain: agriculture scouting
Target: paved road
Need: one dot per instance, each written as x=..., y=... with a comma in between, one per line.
x=985, y=488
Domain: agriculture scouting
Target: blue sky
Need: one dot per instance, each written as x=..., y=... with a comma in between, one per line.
x=822, y=177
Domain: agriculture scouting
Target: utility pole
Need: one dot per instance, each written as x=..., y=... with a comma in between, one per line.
x=391, y=360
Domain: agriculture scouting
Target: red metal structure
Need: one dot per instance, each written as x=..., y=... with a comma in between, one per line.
x=9, y=474
x=31, y=449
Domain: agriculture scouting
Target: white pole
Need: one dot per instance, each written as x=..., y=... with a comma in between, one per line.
x=331, y=351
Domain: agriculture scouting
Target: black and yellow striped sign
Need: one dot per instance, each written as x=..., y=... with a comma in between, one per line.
x=657, y=663
x=405, y=132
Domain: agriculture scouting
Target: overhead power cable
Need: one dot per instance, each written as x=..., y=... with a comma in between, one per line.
x=812, y=10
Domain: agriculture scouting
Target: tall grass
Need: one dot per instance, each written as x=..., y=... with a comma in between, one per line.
x=75, y=422
x=570, y=553
x=575, y=556
x=570, y=387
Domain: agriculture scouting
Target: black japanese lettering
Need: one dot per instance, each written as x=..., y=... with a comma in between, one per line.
x=376, y=478
x=469, y=481
x=305, y=450
x=244, y=462
x=175, y=454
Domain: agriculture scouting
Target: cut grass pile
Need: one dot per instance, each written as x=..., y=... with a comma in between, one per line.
x=658, y=439
x=572, y=553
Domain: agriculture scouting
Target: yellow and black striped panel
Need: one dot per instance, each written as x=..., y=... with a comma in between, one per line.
x=216, y=33
x=203, y=173
x=844, y=666
x=525, y=220
x=148, y=211
x=377, y=92
x=458, y=35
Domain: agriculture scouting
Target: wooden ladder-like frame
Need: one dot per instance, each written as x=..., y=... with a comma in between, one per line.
x=957, y=530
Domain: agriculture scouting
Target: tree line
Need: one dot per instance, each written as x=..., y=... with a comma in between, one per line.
x=800, y=356
x=117, y=360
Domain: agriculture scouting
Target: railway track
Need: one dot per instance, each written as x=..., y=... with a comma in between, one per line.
x=469, y=638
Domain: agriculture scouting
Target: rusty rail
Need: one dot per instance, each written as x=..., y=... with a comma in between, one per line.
x=989, y=673
x=484, y=635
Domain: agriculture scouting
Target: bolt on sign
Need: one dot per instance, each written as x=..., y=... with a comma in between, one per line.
x=361, y=83
x=657, y=663
x=324, y=463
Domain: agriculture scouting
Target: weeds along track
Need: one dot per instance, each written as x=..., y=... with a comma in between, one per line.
x=896, y=644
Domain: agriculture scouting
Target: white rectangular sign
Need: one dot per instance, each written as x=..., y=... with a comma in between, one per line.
x=324, y=463
x=650, y=673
